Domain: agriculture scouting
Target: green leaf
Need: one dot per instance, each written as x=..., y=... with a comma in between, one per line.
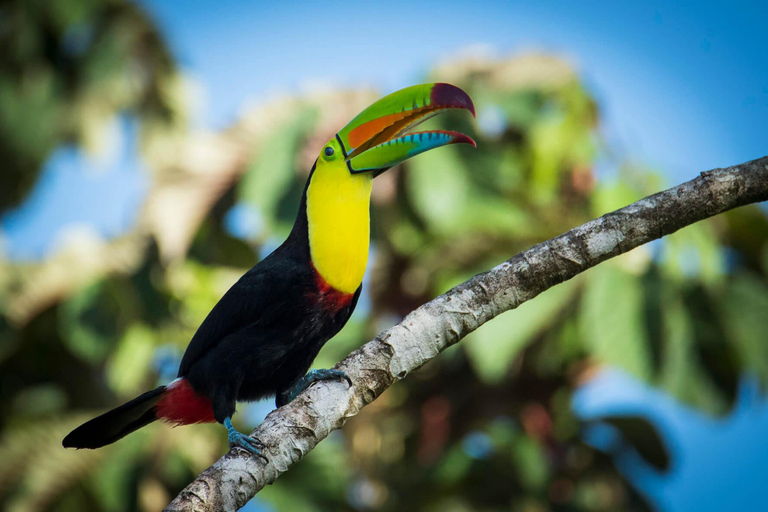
x=452, y=467
x=492, y=348
x=130, y=363
x=522, y=108
x=745, y=315
x=612, y=196
x=272, y=171
x=87, y=322
x=694, y=252
x=438, y=188
x=531, y=463
x=561, y=139
x=681, y=372
x=495, y=215
x=611, y=320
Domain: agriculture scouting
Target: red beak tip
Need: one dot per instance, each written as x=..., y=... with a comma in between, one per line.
x=471, y=107
x=451, y=96
x=460, y=138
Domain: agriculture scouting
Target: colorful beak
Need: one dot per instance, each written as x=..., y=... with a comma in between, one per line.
x=380, y=138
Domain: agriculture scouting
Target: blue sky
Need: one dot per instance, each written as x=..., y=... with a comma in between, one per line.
x=683, y=87
x=718, y=464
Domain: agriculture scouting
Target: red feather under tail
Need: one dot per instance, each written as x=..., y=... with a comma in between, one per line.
x=181, y=405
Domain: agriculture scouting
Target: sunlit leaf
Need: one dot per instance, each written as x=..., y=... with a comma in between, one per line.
x=493, y=347
x=531, y=463
x=694, y=252
x=438, y=188
x=271, y=173
x=611, y=320
x=612, y=196
x=131, y=361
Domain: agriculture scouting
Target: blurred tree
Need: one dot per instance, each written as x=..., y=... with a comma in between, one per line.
x=67, y=68
x=488, y=425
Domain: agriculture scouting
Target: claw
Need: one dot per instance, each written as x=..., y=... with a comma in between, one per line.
x=318, y=375
x=250, y=444
x=309, y=379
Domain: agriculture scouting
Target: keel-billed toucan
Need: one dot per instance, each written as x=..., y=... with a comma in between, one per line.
x=262, y=336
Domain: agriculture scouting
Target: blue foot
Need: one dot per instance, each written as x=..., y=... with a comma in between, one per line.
x=309, y=379
x=247, y=443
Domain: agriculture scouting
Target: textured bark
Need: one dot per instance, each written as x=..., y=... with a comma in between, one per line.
x=290, y=432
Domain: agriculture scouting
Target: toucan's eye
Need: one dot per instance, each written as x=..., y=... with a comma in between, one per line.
x=329, y=151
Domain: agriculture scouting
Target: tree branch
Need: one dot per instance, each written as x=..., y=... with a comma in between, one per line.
x=292, y=431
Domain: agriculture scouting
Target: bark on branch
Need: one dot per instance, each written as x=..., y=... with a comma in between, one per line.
x=291, y=432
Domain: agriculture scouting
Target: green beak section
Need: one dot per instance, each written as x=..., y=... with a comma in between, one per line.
x=378, y=138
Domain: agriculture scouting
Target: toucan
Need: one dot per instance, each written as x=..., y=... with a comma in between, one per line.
x=262, y=336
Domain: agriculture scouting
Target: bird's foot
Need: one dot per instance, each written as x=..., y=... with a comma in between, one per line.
x=246, y=442
x=310, y=378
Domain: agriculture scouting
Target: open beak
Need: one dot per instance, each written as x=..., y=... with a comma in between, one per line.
x=380, y=138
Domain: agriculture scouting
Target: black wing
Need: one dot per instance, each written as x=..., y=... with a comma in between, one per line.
x=263, y=289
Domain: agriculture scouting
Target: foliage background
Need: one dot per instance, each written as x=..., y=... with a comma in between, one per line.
x=102, y=315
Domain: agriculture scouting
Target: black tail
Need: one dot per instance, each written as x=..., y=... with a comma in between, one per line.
x=117, y=423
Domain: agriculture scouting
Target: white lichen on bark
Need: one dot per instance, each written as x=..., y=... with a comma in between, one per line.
x=290, y=432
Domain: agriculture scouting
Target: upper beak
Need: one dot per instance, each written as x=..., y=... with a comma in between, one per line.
x=379, y=138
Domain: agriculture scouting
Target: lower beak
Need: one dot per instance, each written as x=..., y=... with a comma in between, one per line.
x=380, y=137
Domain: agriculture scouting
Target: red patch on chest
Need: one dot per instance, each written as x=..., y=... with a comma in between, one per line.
x=329, y=297
x=180, y=405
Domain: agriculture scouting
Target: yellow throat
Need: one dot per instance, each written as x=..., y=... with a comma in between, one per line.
x=338, y=218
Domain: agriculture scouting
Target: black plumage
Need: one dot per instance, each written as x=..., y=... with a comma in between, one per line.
x=117, y=423
x=264, y=333
x=259, y=340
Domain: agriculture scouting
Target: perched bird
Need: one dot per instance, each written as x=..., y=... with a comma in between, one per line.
x=262, y=336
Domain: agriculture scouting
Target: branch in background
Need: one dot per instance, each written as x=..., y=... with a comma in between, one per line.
x=291, y=432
